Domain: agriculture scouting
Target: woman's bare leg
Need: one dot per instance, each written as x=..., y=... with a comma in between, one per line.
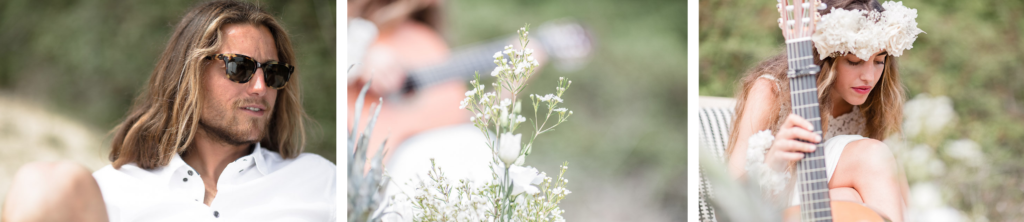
x=869, y=168
x=845, y=194
x=54, y=191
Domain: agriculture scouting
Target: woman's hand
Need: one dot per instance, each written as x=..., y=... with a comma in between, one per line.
x=786, y=148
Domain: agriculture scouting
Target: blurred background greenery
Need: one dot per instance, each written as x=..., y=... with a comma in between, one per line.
x=84, y=61
x=625, y=144
x=971, y=53
x=88, y=59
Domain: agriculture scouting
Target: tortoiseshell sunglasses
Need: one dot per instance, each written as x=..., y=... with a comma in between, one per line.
x=240, y=68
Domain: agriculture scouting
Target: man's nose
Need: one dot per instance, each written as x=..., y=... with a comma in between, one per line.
x=258, y=84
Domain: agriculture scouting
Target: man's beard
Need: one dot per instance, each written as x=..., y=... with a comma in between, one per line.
x=222, y=128
x=231, y=136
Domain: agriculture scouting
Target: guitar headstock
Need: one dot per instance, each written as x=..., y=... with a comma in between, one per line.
x=567, y=42
x=798, y=17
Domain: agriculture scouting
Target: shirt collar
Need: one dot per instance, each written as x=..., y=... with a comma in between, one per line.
x=257, y=157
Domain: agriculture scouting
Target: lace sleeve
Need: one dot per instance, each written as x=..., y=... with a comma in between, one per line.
x=772, y=183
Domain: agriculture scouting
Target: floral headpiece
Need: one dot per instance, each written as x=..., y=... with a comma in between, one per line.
x=849, y=31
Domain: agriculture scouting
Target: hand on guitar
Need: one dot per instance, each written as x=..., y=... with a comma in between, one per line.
x=421, y=81
x=789, y=145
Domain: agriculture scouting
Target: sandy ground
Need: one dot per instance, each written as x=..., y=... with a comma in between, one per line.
x=30, y=133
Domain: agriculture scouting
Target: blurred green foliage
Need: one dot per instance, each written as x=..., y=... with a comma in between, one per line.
x=629, y=102
x=971, y=52
x=89, y=58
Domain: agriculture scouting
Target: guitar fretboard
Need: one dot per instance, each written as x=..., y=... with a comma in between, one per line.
x=462, y=65
x=812, y=176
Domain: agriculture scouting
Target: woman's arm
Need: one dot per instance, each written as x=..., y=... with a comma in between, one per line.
x=754, y=118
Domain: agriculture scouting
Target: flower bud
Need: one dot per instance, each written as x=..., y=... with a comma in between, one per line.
x=509, y=147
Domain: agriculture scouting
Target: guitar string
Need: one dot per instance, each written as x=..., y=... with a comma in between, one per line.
x=812, y=190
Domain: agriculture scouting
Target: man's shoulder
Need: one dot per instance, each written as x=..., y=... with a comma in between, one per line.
x=109, y=173
x=314, y=161
x=305, y=162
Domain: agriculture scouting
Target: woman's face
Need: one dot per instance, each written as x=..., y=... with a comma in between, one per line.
x=855, y=78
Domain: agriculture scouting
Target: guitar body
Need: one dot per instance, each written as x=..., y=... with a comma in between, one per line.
x=410, y=45
x=842, y=211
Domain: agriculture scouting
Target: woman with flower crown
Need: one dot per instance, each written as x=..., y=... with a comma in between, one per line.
x=861, y=101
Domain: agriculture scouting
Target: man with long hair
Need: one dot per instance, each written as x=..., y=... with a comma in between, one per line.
x=218, y=132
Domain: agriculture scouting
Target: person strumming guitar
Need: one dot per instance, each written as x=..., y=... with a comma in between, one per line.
x=397, y=45
x=858, y=88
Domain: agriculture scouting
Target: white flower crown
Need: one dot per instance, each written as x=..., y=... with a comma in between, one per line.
x=849, y=31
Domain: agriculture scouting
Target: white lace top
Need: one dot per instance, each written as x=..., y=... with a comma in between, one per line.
x=851, y=123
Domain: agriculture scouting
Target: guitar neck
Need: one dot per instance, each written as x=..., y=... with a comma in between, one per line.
x=812, y=176
x=566, y=43
x=462, y=65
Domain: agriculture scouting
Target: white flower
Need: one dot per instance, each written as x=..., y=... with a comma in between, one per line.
x=497, y=70
x=864, y=33
x=545, y=98
x=470, y=92
x=561, y=110
x=464, y=103
x=504, y=115
x=520, y=119
x=555, y=98
x=927, y=115
x=523, y=179
x=965, y=150
x=497, y=55
x=505, y=102
x=559, y=190
x=509, y=147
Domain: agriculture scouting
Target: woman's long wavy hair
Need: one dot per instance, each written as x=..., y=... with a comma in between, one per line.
x=164, y=119
x=883, y=108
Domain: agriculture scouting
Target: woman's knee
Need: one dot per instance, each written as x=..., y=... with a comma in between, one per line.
x=872, y=157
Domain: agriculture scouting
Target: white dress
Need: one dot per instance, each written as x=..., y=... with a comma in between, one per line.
x=775, y=186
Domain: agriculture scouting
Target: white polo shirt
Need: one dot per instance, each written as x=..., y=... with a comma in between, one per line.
x=258, y=187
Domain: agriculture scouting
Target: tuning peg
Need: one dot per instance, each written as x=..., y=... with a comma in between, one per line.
x=822, y=6
x=806, y=21
x=806, y=5
x=790, y=24
x=789, y=8
x=780, y=21
x=778, y=6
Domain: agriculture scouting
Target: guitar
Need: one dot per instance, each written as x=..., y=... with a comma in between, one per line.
x=798, y=19
x=436, y=82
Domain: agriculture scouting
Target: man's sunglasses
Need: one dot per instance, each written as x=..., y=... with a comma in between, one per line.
x=240, y=68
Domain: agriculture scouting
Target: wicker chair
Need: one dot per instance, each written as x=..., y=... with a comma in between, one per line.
x=716, y=115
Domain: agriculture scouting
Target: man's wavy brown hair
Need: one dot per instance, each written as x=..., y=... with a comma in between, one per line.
x=164, y=119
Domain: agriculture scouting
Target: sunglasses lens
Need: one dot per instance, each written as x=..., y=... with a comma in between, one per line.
x=240, y=69
x=277, y=75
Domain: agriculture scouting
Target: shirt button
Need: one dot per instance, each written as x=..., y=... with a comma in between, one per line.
x=190, y=172
x=240, y=171
x=216, y=214
x=184, y=179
